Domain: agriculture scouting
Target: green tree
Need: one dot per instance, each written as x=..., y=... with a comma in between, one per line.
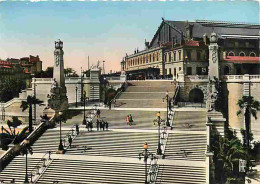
x=28, y=104
x=251, y=107
x=69, y=72
x=226, y=155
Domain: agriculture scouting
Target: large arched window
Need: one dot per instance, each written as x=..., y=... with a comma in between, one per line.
x=157, y=55
x=242, y=54
x=231, y=53
x=252, y=54
x=170, y=57
x=226, y=70
x=150, y=58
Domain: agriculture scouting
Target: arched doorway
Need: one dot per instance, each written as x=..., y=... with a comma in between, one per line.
x=226, y=70
x=196, y=95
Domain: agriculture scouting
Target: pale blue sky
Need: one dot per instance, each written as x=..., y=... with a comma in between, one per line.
x=102, y=30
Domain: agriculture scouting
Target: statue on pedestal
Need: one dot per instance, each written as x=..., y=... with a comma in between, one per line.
x=58, y=100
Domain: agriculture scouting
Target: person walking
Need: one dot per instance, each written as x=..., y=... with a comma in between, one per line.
x=97, y=124
x=158, y=117
x=103, y=125
x=70, y=140
x=90, y=125
x=130, y=120
x=87, y=125
x=100, y=124
x=77, y=129
x=106, y=125
x=127, y=120
x=98, y=113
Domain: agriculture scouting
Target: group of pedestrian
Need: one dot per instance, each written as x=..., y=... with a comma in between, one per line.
x=129, y=120
x=101, y=125
x=89, y=125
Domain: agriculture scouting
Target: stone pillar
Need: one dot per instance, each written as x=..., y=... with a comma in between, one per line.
x=213, y=57
x=58, y=98
x=94, y=89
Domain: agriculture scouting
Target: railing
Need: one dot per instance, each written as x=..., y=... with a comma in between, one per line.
x=175, y=96
x=113, y=78
x=153, y=172
x=241, y=78
x=197, y=77
x=12, y=152
x=72, y=133
x=191, y=104
x=121, y=89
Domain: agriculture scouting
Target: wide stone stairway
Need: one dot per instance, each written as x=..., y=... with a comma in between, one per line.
x=16, y=169
x=111, y=156
x=145, y=94
x=81, y=171
x=113, y=143
x=186, y=146
x=189, y=120
x=169, y=174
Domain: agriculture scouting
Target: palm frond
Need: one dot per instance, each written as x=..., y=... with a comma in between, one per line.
x=24, y=105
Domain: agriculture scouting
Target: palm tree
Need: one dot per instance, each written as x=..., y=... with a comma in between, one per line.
x=227, y=153
x=28, y=104
x=251, y=107
x=14, y=123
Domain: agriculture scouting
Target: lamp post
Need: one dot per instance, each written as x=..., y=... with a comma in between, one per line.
x=84, y=99
x=76, y=96
x=159, y=149
x=25, y=150
x=61, y=148
x=146, y=154
x=167, y=101
x=103, y=67
x=2, y=131
x=186, y=60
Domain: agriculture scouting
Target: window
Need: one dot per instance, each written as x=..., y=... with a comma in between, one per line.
x=170, y=71
x=170, y=57
x=175, y=72
x=231, y=53
x=199, y=70
x=189, y=71
x=150, y=58
x=242, y=54
x=179, y=55
x=153, y=57
x=157, y=56
x=165, y=57
x=174, y=56
x=226, y=70
x=198, y=55
x=252, y=54
x=188, y=54
x=179, y=68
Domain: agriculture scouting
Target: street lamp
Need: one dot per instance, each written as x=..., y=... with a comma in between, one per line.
x=167, y=101
x=159, y=149
x=60, y=145
x=25, y=150
x=103, y=67
x=146, y=154
x=76, y=96
x=84, y=99
x=186, y=60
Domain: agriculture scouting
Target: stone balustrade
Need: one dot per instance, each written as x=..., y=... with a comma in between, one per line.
x=241, y=78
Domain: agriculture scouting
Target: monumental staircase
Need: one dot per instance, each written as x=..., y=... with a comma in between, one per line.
x=111, y=156
x=145, y=94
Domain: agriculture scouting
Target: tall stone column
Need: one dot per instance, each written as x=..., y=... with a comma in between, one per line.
x=213, y=57
x=58, y=100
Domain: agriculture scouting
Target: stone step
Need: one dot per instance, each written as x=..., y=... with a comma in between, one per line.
x=181, y=174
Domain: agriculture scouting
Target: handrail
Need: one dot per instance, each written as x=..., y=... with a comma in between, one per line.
x=37, y=165
x=118, y=93
x=12, y=152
